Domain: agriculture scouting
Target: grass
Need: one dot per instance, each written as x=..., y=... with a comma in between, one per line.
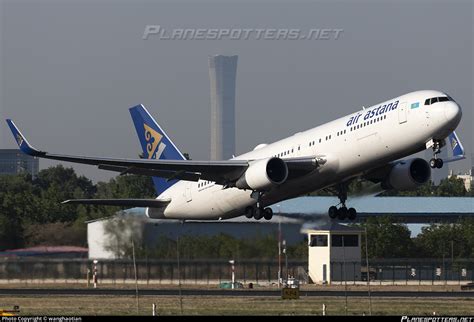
x=212, y=305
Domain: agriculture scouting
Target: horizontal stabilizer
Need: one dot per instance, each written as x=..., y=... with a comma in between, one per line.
x=152, y=203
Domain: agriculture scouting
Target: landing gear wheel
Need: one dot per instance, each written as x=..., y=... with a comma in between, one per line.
x=351, y=214
x=249, y=212
x=258, y=213
x=436, y=163
x=268, y=213
x=342, y=213
x=332, y=212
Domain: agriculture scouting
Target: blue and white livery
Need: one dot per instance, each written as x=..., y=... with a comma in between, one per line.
x=368, y=144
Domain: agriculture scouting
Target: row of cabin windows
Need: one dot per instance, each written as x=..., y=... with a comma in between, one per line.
x=312, y=143
x=328, y=137
x=285, y=153
x=359, y=126
x=204, y=183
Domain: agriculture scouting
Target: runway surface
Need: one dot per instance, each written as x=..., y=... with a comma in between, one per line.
x=220, y=292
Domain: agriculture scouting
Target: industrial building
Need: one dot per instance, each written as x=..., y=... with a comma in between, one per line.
x=222, y=74
x=150, y=231
x=293, y=217
x=13, y=161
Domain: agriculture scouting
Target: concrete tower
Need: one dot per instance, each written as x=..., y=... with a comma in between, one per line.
x=222, y=74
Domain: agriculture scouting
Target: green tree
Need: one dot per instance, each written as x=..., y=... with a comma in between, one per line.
x=438, y=240
x=17, y=203
x=451, y=187
x=387, y=239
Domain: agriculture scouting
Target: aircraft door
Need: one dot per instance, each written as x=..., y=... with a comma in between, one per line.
x=402, y=113
x=187, y=192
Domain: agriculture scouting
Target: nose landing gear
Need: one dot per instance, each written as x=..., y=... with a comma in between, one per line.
x=435, y=162
x=342, y=213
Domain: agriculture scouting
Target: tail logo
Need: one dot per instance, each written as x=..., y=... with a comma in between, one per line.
x=454, y=143
x=19, y=139
x=154, y=146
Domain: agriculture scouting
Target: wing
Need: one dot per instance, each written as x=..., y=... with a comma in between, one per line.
x=222, y=172
x=153, y=203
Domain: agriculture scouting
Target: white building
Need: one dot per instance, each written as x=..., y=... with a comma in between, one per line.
x=334, y=253
x=107, y=237
x=467, y=178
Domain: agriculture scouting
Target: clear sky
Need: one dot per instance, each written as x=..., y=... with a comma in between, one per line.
x=70, y=69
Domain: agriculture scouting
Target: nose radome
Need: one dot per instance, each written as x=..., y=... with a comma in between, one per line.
x=452, y=111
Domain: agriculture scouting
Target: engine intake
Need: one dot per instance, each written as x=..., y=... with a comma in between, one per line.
x=408, y=175
x=263, y=174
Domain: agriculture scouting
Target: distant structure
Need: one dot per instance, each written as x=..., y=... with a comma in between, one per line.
x=222, y=74
x=467, y=178
x=13, y=161
x=438, y=174
x=472, y=164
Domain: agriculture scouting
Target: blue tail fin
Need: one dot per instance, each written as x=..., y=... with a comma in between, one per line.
x=456, y=148
x=155, y=143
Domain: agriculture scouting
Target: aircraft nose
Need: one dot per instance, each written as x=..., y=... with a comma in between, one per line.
x=452, y=112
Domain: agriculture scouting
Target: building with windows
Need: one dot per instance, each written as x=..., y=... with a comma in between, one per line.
x=467, y=178
x=13, y=161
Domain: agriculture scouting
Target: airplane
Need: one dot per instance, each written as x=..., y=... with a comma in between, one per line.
x=365, y=145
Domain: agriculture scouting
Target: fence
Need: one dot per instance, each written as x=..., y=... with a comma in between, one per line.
x=148, y=271
x=217, y=271
x=409, y=271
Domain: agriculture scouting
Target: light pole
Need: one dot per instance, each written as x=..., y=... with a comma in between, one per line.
x=95, y=272
x=279, y=247
x=232, y=262
x=286, y=259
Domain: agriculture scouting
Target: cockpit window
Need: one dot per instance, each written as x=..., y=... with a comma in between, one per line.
x=433, y=100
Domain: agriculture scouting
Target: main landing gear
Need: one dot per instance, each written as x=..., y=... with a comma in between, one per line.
x=258, y=212
x=435, y=162
x=342, y=213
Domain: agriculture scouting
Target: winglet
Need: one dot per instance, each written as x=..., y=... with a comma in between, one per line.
x=23, y=144
x=456, y=147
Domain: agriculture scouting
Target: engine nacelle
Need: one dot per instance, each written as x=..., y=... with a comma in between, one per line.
x=154, y=213
x=263, y=174
x=408, y=174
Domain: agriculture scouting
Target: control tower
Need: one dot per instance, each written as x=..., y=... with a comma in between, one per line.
x=222, y=74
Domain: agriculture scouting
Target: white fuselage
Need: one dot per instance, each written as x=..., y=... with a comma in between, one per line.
x=351, y=145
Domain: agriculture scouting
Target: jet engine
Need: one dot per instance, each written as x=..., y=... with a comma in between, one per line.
x=263, y=174
x=407, y=175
